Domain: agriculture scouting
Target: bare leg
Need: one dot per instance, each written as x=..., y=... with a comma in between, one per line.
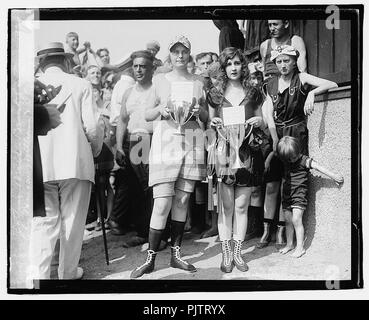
x=256, y=197
x=299, y=228
x=289, y=232
x=225, y=217
x=271, y=196
x=180, y=205
x=242, y=201
x=160, y=212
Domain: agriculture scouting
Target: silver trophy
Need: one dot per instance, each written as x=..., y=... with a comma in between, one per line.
x=181, y=113
x=182, y=104
x=234, y=135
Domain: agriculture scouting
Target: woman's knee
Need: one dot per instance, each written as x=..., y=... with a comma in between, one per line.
x=296, y=219
x=181, y=199
x=161, y=206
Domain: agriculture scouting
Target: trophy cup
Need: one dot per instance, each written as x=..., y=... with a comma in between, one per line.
x=182, y=105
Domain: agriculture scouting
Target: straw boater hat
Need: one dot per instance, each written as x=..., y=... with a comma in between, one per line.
x=52, y=49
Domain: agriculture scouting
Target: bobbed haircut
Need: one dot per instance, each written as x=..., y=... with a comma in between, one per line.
x=288, y=148
x=228, y=54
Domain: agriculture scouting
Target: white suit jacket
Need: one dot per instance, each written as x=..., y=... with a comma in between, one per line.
x=68, y=150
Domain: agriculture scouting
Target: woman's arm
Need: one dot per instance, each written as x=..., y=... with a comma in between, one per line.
x=321, y=85
x=267, y=110
x=268, y=160
x=335, y=176
x=201, y=108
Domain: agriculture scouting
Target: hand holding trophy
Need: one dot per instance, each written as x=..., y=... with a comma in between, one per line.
x=182, y=104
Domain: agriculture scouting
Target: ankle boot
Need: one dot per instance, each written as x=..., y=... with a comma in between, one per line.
x=154, y=242
x=177, y=262
x=147, y=267
x=237, y=258
x=265, y=238
x=280, y=238
x=227, y=258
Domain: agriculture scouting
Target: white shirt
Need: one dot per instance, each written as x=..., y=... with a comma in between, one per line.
x=67, y=151
x=136, y=105
x=120, y=88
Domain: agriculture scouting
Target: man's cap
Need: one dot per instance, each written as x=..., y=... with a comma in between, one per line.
x=182, y=40
x=285, y=49
x=52, y=49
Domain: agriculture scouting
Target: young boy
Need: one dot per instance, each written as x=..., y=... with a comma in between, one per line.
x=294, y=195
x=72, y=44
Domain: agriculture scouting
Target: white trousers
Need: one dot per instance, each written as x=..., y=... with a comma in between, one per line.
x=66, y=204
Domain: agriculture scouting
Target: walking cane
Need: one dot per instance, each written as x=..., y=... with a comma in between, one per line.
x=105, y=242
x=210, y=173
x=102, y=224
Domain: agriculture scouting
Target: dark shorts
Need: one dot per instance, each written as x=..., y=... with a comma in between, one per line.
x=299, y=131
x=275, y=172
x=248, y=177
x=294, y=195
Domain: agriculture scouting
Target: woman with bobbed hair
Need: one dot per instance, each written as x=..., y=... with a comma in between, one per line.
x=231, y=90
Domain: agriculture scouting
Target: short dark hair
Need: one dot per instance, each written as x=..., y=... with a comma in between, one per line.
x=100, y=50
x=202, y=55
x=143, y=54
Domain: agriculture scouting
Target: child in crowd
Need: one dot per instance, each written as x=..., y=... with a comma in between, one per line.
x=294, y=190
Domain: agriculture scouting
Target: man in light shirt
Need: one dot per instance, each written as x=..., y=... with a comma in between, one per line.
x=133, y=142
x=68, y=169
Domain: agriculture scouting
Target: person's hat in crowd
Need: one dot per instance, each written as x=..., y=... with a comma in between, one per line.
x=285, y=49
x=52, y=49
x=182, y=40
x=153, y=45
x=255, y=67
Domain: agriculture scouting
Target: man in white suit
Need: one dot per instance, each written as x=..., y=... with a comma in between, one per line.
x=68, y=169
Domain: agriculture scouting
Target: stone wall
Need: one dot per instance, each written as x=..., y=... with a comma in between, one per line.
x=328, y=217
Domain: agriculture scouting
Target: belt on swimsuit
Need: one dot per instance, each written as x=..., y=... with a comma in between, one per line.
x=289, y=123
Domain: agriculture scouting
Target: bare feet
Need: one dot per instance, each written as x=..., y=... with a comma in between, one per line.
x=298, y=252
x=285, y=249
